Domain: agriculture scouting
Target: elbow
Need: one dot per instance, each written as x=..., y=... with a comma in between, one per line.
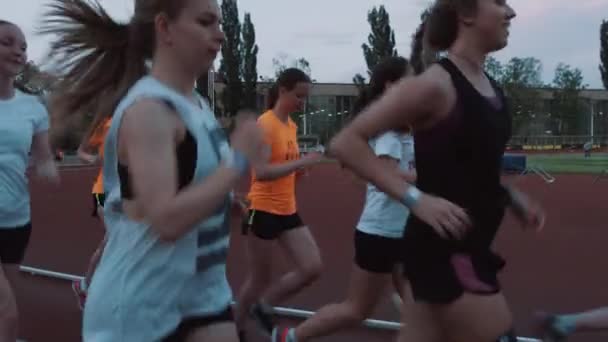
x=337, y=146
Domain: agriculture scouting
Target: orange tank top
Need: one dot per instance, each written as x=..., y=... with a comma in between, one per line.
x=277, y=196
x=97, y=140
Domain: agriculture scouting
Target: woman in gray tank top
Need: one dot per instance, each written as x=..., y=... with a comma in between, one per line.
x=168, y=168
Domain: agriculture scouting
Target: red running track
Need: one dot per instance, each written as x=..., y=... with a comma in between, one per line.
x=561, y=269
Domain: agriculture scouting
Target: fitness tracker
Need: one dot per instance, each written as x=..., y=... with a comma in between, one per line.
x=411, y=196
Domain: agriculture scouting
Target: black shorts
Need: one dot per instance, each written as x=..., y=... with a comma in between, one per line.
x=375, y=253
x=189, y=325
x=433, y=275
x=267, y=226
x=98, y=201
x=13, y=243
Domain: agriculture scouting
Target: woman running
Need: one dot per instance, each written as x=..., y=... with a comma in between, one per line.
x=461, y=126
x=24, y=125
x=168, y=169
x=378, y=233
x=86, y=153
x=273, y=214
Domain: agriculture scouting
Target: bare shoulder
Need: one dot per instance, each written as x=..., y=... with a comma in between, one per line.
x=149, y=117
x=438, y=86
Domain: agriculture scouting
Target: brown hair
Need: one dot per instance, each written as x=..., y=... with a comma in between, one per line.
x=441, y=28
x=288, y=79
x=98, y=58
x=437, y=31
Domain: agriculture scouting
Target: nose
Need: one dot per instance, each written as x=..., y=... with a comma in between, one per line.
x=510, y=12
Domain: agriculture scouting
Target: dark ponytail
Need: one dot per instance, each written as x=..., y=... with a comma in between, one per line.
x=98, y=58
x=288, y=80
x=389, y=70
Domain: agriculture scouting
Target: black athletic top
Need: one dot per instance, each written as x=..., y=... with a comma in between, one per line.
x=460, y=159
x=186, y=165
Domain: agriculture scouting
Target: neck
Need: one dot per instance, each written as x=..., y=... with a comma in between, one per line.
x=280, y=111
x=170, y=73
x=466, y=52
x=7, y=90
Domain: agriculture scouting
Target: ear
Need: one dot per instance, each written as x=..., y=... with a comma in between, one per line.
x=467, y=18
x=163, y=29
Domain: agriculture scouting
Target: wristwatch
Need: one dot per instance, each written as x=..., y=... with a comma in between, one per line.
x=234, y=159
x=411, y=197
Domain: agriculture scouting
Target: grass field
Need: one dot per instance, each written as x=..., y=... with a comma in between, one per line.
x=570, y=162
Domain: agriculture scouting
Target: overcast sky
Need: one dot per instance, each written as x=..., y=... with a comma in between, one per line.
x=329, y=33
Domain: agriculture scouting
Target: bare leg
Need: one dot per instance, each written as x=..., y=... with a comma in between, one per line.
x=259, y=257
x=301, y=247
x=9, y=313
x=363, y=295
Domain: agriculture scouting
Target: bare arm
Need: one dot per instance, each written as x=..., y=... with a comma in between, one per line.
x=148, y=134
x=412, y=100
x=265, y=171
x=43, y=157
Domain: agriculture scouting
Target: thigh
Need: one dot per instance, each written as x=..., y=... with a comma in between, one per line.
x=366, y=289
x=259, y=257
x=301, y=247
x=419, y=322
x=475, y=318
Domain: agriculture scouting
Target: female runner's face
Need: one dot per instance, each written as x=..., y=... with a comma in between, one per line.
x=12, y=50
x=195, y=36
x=296, y=98
x=491, y=23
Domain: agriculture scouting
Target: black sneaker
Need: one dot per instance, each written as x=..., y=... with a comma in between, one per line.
x=242, y=336
x=263, y=316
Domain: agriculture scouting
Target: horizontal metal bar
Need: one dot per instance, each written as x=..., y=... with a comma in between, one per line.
x=281, y=311
x=50, y=274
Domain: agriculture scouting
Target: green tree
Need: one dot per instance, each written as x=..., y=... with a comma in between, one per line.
x=604, y=52
x=494, y=68
x=520, y=79
x=230, y=65
x=250, y=63
x=381, y=40
x=568, y=107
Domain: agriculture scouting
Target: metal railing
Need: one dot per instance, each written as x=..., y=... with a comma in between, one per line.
x=281, y=311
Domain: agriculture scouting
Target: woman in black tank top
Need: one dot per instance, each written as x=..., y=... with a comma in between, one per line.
x=461, y=126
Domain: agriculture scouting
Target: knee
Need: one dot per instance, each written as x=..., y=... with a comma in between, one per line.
x=312, y=270
x=357, y=313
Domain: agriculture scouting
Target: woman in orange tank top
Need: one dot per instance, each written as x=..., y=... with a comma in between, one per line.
x=273, y=215
x=91, y=152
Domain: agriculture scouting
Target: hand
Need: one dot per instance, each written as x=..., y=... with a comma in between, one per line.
x=408, y=176
x=247, y=137
x=241, y=203
x=529, y=214
x=446, y=218
x=48, y=171
x=311, y=158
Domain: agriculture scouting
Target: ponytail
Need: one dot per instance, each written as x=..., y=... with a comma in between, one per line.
x=273, y=97
x=98, y=59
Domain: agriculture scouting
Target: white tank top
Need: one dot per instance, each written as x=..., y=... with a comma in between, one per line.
x=143, y=288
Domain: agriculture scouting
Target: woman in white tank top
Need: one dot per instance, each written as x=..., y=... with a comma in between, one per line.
x=168, y=168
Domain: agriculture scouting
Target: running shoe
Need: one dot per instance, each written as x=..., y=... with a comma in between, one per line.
x=283, y=334
x=81, y=295
x=262, y=314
